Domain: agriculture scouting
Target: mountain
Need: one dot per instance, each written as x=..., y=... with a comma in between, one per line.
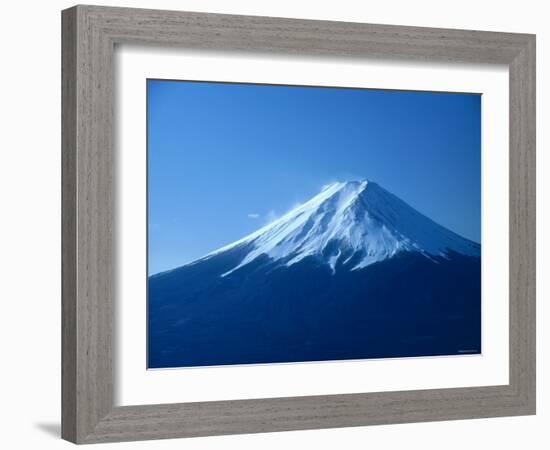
x=353, y=224
x=353, y=273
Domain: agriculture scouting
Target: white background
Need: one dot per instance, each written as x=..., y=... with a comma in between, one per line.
x=30, y=225
x=135, y=386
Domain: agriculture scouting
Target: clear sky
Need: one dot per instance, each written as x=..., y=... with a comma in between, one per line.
x=224, y=159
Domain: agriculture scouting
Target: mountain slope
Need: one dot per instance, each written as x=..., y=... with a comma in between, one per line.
x=353, y=273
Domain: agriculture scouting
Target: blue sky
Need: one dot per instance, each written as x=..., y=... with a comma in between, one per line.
x=224, y=159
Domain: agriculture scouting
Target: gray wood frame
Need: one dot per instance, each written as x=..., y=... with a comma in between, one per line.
x=89, y=36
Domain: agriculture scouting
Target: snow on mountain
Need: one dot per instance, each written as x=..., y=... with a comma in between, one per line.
x=354, y=223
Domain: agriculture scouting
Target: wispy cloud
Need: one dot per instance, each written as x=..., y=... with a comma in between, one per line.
x=271, y=216
x=253, y=215
x=327, y=185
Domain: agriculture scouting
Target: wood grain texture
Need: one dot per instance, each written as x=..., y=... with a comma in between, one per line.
x=89, y=36
x=68, y=225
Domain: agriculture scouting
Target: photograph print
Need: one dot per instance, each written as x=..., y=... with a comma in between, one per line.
x=290, y=224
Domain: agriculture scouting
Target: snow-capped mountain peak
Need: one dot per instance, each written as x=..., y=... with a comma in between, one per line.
x=351, y=224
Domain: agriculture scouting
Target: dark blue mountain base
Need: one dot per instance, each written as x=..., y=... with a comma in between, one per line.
x=404, y=306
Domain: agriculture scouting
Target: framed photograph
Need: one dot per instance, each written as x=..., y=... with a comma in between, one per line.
x=279, y=224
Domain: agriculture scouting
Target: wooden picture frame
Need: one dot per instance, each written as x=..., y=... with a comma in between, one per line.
x=90, y=34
